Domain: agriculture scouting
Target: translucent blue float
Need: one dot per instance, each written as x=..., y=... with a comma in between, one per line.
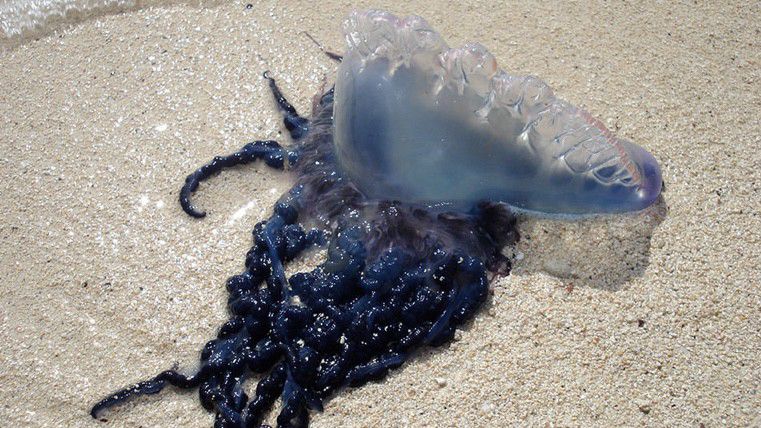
x=418, y=122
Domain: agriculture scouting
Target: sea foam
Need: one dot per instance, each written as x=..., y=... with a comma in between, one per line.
x=23, y=20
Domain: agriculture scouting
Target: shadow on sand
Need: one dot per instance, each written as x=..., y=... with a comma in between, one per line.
x=603, y=252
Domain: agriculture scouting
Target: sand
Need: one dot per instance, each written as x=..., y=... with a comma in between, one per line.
x=640, y=320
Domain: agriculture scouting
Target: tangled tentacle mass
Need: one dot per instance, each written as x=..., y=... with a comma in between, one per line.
x=396, y=278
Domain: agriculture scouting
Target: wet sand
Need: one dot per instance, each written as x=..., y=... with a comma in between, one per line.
x=643, y=320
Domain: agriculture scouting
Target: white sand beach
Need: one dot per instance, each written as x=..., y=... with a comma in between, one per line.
x=652, y=319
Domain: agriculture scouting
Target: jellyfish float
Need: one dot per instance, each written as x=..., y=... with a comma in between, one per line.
x=408, y=172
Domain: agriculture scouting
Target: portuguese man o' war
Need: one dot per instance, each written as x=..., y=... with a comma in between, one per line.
x=407, y=173
x=419, y=122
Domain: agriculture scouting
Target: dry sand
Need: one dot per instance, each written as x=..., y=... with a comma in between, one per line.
x=646, y=320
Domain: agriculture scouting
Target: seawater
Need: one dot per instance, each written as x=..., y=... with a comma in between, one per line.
x=22, y=20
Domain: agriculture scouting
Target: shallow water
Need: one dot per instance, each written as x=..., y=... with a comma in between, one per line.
x=22, y=20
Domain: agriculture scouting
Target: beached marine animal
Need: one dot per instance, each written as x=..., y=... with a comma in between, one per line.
x=408, y=172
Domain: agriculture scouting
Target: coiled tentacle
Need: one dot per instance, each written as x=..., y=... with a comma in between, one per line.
x=296, y=125
x=361, y=312
x=151, y=386
x=269, y=151
x=344, y=323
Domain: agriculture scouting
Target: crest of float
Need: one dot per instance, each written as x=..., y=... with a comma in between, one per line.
x=419, y=122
